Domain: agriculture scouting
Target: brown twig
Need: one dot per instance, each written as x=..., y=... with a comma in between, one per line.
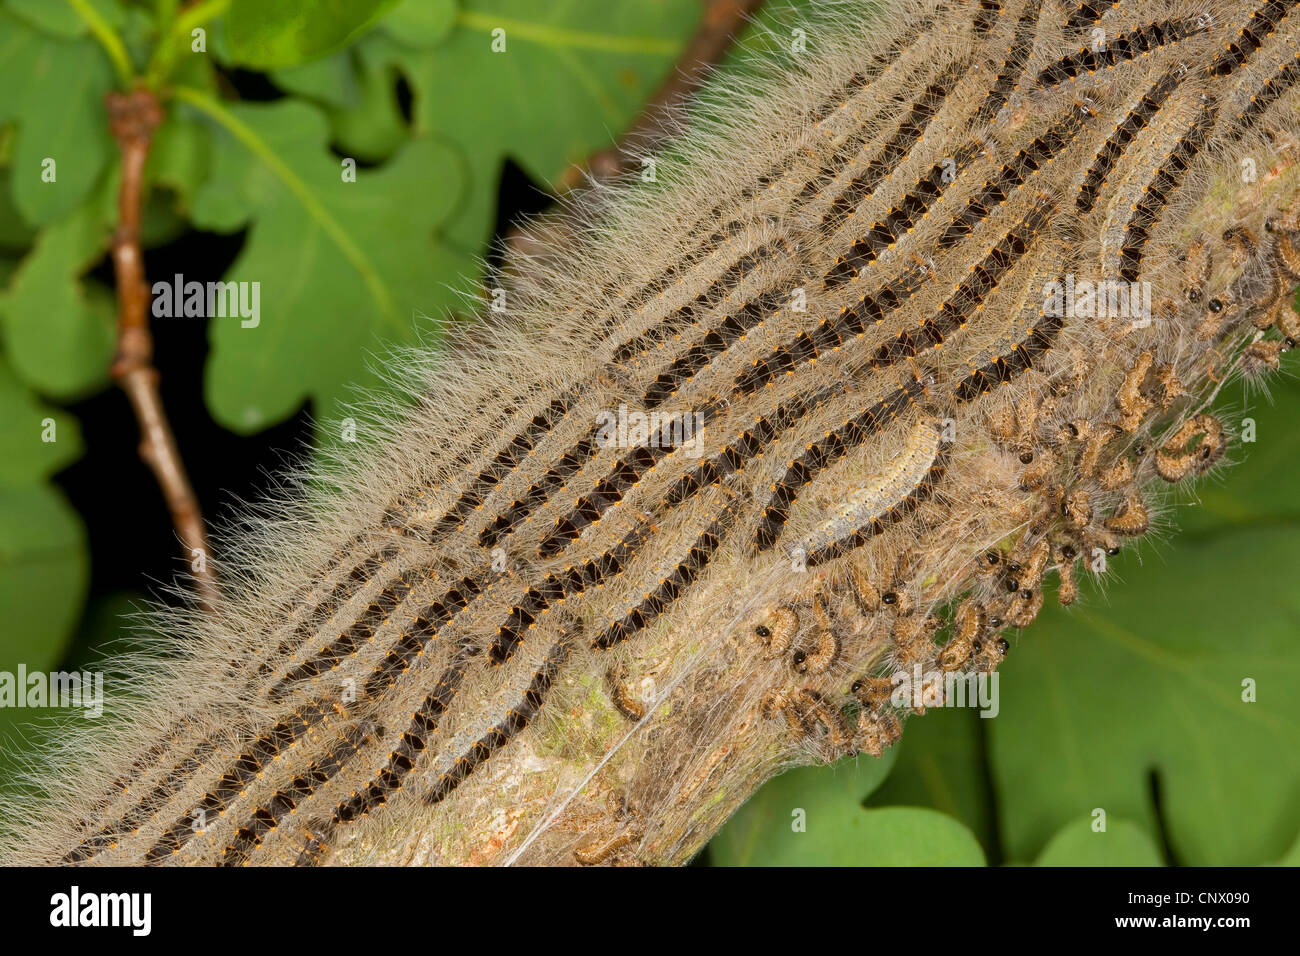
x=134, y=117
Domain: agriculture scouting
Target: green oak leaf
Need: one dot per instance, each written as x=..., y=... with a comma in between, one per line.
x=44, y=570
x=331, y=81
x=814, y=817
x=940, y=765
x=1096, y=699
x=55, y=94
x=278, y=33
x=343, y=267
x=372, y=128
x=905, y=836
x=571, y=79
x=760, y=834
x=44, y=575
x=1122, y=843
x=59, y=331
x=36, y=440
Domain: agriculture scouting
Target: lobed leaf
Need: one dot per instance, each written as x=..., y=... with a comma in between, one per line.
x=1122, y=843
x=343, y=267
x=55, y=95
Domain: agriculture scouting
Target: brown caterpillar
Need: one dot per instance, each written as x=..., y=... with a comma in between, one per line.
x=877, y=732
x=970, y=620
x=1194, y=447
x=777, y=629
x=822, y=649
x=844, y=273
x=601, y=850
x=627, y=703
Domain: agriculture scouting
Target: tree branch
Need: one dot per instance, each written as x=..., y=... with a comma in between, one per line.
x=133, y=118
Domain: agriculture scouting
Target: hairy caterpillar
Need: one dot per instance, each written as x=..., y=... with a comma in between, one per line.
x=887, y=498
x=929, y=215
